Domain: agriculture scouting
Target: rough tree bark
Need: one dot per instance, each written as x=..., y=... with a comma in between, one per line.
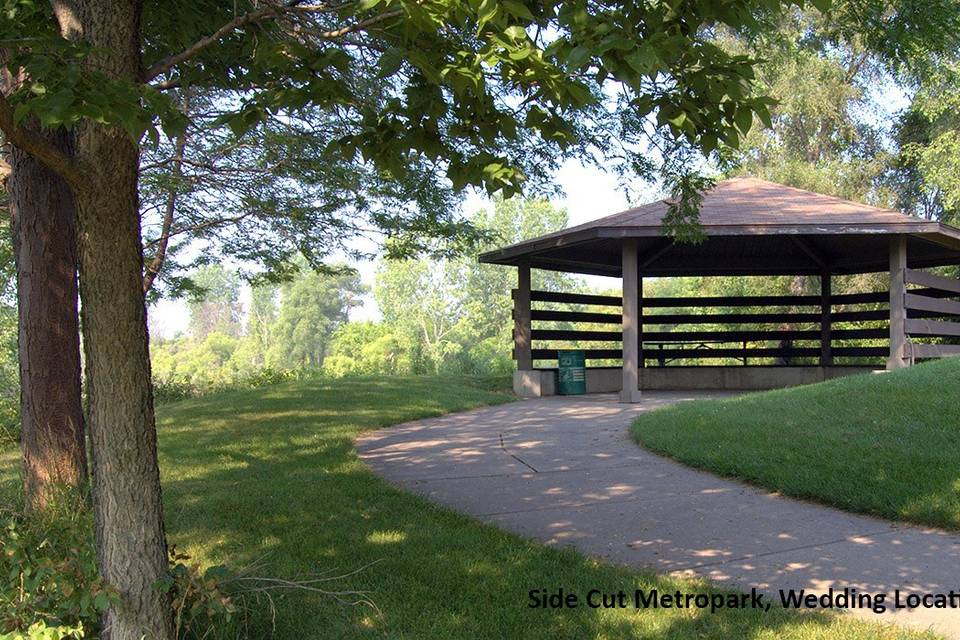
x=131, y=544
x=44, y=230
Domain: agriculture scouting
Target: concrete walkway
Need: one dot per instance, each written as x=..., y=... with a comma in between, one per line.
x=564, y=471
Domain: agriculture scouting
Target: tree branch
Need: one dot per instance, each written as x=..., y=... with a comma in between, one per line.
x=66, y=166
x=254, y=17
x=153, y=269
x=251, y=17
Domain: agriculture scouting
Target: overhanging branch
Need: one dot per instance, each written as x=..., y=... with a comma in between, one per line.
x=257, y=16
x=64, y=165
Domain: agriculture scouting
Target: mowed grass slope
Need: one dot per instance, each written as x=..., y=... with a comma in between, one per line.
x=270, y=478
x=884, y=444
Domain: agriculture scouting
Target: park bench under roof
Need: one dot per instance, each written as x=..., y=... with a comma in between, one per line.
x=751, y=227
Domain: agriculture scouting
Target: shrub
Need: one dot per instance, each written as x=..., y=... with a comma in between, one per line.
x=50, y=588
x=171, y=390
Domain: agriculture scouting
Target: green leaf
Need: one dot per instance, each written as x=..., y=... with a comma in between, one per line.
x=515, y=32
x=744, y=120
x=390, y=62
x=486, y=12
x=20, y=112
x=517, y=9
x=578, y=56
x=643, y=59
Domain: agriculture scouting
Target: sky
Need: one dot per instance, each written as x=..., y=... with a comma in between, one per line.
x=589, y=192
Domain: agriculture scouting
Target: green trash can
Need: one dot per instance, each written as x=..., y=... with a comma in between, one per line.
x=572, y=378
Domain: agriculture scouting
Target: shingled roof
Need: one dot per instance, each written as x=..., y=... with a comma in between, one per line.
x=753, y=227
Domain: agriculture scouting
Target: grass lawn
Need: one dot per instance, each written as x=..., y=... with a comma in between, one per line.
x=270, y=477
x=885, y=444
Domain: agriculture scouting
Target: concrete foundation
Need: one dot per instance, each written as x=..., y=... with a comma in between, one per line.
x=543, y=382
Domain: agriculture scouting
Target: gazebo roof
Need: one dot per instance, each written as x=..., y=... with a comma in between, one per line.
x=753, y=227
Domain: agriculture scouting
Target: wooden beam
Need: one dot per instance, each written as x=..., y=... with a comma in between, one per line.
x=811, y=253
x=898, y=295
x=574, y=335
x=934, y=350
x=826, y=355
x=575, y=298
x=576, y=316
x=733, y=301
x=630, y=391
x=711, y=354
x=666, y=244
x=522, y=318
x=932, y=281
x=917, y=327
x=924, y=303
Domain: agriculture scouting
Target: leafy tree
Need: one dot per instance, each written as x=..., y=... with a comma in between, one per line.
x=260, y=321
x=456, y=314
x=491, y=93
x=215, y=303
x=824, y=71
x=928, y=134
x=366, y=348
x=312, y=307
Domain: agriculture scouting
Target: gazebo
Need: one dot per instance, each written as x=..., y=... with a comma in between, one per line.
x=752, y=228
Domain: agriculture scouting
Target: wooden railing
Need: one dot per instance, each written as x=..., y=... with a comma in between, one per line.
x=931, y=315
x=696, y=330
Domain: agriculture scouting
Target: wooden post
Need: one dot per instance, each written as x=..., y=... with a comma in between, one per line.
x=826, y=351
x=898, y=292
x=521, y=319
x=640, y=363
x=630, y=391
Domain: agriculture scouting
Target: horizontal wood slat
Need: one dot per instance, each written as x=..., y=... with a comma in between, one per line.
x=681, y=302
x=576, y=316
x=733, y=301
x=861, y=352
x=937, y=305
x=720, y=318
x=933, y=350
x=563, y=334
x=703, y=354
x=753, y=301
x=700, y=354
x=591, y=354
x=695, y=336
x=860, y=298
x=729, y=318
x=932, y=281
x=860, y=316
x=919, y=327
x=574, y=298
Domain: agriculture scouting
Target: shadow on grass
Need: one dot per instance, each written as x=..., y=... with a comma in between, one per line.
x=271, y=477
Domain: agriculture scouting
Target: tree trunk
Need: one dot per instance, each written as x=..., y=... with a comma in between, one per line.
x=131, y=545
x=44, y=230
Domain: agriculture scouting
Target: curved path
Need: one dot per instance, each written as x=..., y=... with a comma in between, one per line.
x=564, y=471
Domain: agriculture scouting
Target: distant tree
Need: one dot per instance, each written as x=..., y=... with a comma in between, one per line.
x=456, y=314
x=215, y=302
x=927, y=170
x=826, y=71
x=312, y=306
x=260, y=320
x=366, y=348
